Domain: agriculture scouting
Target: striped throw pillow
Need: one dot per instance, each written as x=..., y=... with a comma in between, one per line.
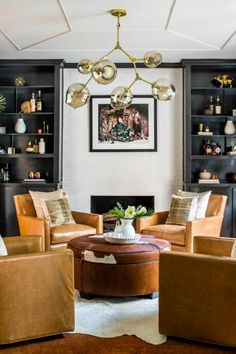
x=182, y=210
x=57, y=211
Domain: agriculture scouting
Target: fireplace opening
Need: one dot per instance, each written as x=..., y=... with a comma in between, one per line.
x=101, y=204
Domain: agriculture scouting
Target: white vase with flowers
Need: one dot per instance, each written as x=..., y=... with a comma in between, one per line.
x=127, y=216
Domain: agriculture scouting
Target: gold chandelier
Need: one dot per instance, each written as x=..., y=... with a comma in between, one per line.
x=104, y=72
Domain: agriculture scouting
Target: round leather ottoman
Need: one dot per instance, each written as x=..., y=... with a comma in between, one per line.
x=116, y=270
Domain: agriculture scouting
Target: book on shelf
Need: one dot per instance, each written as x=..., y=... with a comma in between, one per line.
x=35, y=180
x=204, y=133
x=209, y=181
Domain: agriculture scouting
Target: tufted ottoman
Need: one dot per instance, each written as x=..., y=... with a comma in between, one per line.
x=107, y=269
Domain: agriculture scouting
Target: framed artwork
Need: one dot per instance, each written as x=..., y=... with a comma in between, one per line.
x=130, y=129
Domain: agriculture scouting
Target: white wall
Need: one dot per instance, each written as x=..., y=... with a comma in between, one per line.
x=123, y=173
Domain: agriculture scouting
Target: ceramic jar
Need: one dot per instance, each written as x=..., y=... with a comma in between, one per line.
x=20, y=126
x=229, y=127
x=127, y=229
x=204, y=175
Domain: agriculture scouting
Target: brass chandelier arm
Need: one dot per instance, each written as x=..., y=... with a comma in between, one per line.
x=133, y=82
x=86, y=83
x=107, y=55
x=148, y=82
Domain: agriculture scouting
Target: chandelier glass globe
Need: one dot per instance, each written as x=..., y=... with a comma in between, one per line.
x=163, y=90
x=85, y=66
x=121, y=97
x=104, y=72
x=77, y=95
x=152, y=59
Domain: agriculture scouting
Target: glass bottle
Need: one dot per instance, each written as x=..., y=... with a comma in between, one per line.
x=234, y=111
x=117, y=228
x=211, y=105
x=39, y=105
x=33, y=103
x=29, y=148
x=36, y=147
x=6, y=173
x=41, y=146
x=218, y=108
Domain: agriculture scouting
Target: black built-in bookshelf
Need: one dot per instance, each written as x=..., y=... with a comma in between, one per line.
x=43, y=75
x=198, y=87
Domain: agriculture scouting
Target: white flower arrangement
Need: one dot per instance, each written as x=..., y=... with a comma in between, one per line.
x=130, y=213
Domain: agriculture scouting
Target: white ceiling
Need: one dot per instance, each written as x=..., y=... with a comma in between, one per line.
x=74, y=29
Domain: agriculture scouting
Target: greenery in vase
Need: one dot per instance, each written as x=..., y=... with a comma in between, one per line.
x=130, y=213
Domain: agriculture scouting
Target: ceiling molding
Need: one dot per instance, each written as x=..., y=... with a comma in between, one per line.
x=43, y=41
x=228, y=40
x=65, y=15
x=210, y=46
x=10, y=40
x=170, y=14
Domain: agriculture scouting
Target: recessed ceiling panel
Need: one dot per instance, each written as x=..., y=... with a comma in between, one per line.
x=73, y=29
x=96, y=14
x=27, y=21
x=208, y=21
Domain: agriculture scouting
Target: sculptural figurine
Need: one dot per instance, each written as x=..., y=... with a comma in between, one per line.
x=222, y=81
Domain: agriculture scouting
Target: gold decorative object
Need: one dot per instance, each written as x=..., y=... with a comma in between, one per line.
x=19, y=81
x=26, y=107
x=222, y=81
x=3, y=102
x=103, y=71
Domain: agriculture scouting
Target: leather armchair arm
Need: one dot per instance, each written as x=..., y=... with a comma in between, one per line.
x=215, y=246
x=39, y=287
x=209, y=226
x=93, y=220
x=145, y=221
x=23, y=245
x=31, y=225
x=191, y=289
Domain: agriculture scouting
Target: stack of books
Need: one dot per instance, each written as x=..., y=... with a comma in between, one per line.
x=204, y=133
x=209, y=181
x=35, y=180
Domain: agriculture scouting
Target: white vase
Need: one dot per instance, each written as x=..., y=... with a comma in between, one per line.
x=229, y=127
x=126, y=228
x=20, y=126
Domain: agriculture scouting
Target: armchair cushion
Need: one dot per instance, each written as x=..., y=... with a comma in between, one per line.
x=64, y=233
x=38, y=196
x=3, y=249
x=202, y=202
x=57, y=211
x=173, y=233
x=182, y=210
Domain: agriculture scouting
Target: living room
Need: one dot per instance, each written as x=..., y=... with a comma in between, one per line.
x=172, y=67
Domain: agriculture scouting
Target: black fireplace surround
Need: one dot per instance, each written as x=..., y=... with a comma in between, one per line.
x=101, y=204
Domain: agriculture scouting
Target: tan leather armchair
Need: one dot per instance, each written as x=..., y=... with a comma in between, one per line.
x=37, y=290
x=197, y=292
x=57, y=236
x=181, y=237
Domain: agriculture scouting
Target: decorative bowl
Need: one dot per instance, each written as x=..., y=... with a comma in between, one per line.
x=112, y=238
